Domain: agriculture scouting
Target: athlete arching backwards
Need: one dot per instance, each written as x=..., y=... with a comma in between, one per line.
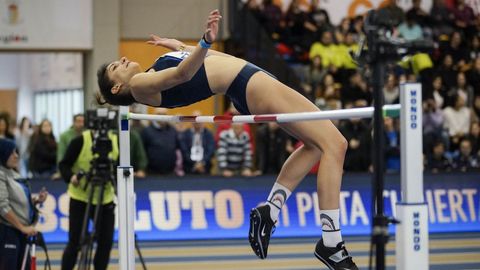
x=190, y=74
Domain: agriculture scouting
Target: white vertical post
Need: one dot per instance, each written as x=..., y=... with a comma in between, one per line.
x=126, y=198
x=412, y=211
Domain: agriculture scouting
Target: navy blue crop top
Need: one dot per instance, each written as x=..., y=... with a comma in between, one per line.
x=187, y=93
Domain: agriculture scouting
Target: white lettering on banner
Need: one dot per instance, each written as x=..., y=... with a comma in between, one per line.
x=229, y=211
x=285, y=217
x=471, y=205
x=437, y=194
x=343, y=213
x=431, y=206
x=197, y=202
x=416, y=231
x=304, y=205
x=316, y=210
x=358, y=210
x=48, y=221
x=142, y=221
x=166, y=209
x=455, y=200
x=64, y=207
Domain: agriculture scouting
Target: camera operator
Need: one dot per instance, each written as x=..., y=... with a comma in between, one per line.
x=73, y=167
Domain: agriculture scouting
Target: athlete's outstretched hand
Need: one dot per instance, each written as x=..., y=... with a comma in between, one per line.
x=212, y=26
x=168, y=43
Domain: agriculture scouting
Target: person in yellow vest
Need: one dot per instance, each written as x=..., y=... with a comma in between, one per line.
x=76, y=160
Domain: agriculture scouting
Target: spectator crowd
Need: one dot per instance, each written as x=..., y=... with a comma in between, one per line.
x=319, y=53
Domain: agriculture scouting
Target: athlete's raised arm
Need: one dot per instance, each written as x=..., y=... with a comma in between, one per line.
x=153, y=82
x=177, y=45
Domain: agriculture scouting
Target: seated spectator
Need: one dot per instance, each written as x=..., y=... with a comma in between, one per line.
x=474, y=47
x=441, y=19
x=410, y=29
x=458, y=50
x=474, y=137
x=234, y=153
x=392, y=145
x=464, y=89
x=447, y=72
x=433, y=122
x=464, y=17
x=314, y=75
x=23, y=134
x=138, y=156
x=391, y=91
x=355, y=89
x=43, y=151
x=418, y=14
x=348, y=46
x=273, y=148
x=327, y=50
x=457, y=121
x=231, y=111
x=437, y=160
x=358, y=134
x=439, y=92
x=473, y=76
x=198, y=147
x=394, y=12
x=5, y=127
x=160, y=141
x=466, y=161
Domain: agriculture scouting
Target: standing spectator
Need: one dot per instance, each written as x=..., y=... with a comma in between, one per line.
x=18, y=213
x=67, y=136
x=198, y=147
x=466, y=161
x=319, y=17
x=22, y=138
x=160, y=140
x=300, y=29
x=392, y=145
x=273, y=148
x=357, y=132
x=234, y=153
x=5, y=127
x=437, y=160
x=43, y=151
x=457, y=121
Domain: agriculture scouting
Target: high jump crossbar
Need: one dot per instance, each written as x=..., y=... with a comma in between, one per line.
x=412, y=211
x=366, y=112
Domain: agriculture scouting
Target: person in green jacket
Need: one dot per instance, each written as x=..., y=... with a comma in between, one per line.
x=67, y=136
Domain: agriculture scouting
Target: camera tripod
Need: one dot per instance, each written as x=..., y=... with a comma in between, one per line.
x=87, y=237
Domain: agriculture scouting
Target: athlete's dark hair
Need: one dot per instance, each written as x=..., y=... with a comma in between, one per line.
x=105, y=95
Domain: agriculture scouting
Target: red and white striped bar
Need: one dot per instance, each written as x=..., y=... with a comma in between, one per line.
x=366, y=112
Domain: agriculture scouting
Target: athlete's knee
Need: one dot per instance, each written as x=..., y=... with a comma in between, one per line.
x=335, y=146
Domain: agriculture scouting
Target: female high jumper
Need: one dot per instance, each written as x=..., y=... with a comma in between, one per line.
x=193, y=73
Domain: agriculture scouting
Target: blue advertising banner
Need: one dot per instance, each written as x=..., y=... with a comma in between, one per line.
x=199, y=207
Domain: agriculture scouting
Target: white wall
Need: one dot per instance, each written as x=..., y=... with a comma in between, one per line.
x=9, y=71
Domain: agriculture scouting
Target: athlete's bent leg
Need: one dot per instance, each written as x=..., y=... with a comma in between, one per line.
x=321, y=139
